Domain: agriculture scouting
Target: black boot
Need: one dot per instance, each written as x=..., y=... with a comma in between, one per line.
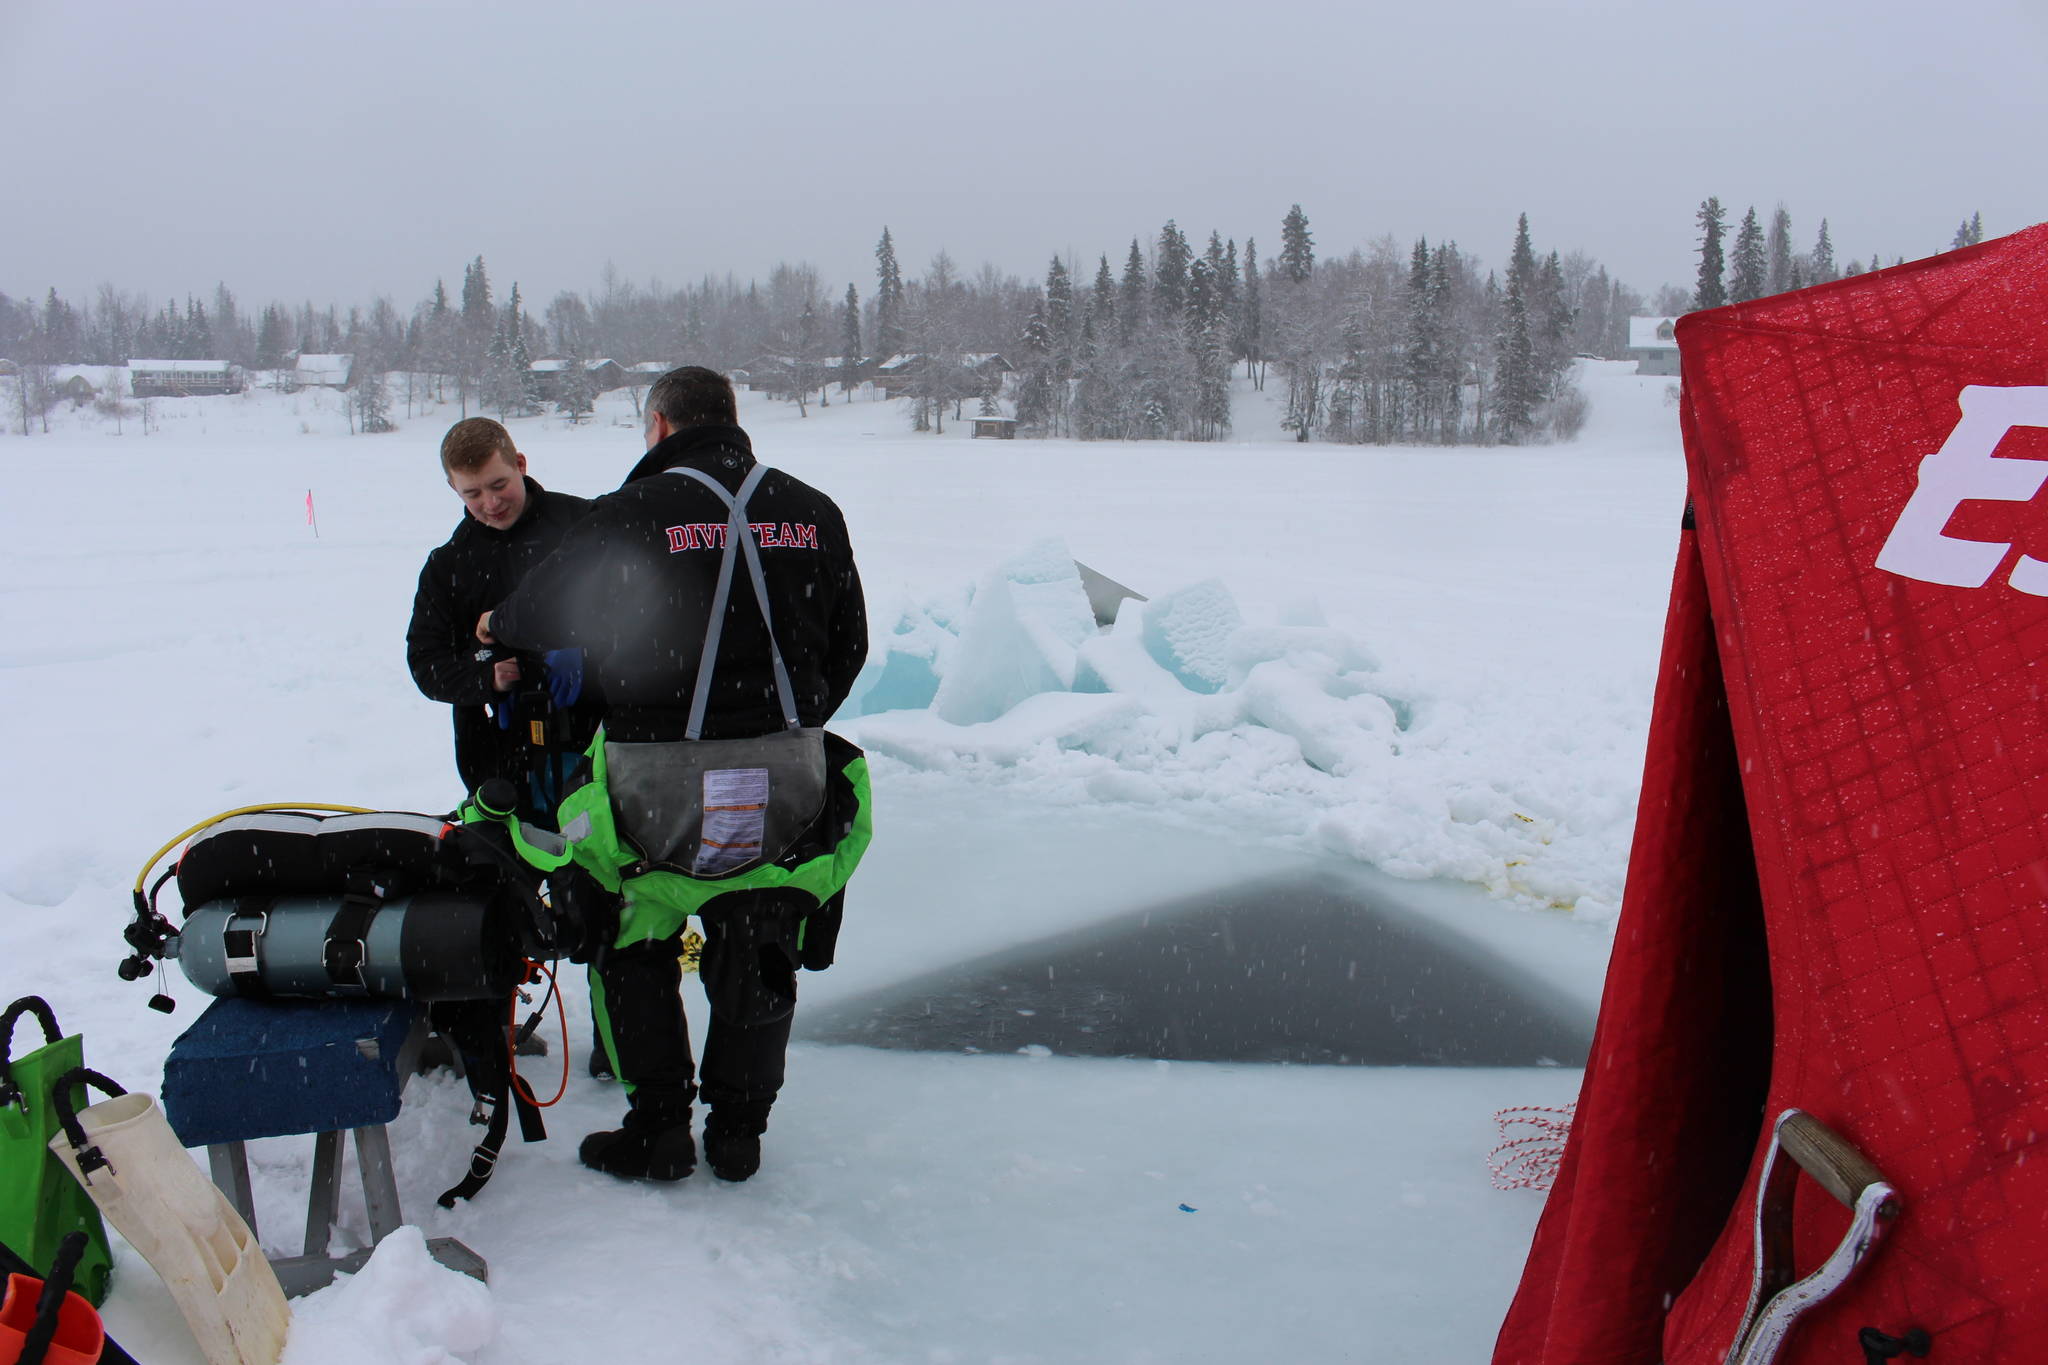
x=601, y=1064
x=732, y=1140
x=647, y=1147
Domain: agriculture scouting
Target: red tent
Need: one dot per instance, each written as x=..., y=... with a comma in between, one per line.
x=1838, y=893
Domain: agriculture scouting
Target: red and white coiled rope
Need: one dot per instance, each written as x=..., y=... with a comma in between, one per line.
x=1531, y=1145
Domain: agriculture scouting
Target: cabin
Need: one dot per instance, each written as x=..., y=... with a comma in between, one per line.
x=605, y=375
x=996, y=428
x=182, y=378
x=898, y=373
x=1653, y=345
x=323, y=371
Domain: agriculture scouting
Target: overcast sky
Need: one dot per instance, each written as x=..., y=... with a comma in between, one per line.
x=333, y=151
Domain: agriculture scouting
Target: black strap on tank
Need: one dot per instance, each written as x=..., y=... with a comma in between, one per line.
x=241, y=941
x=348, y=931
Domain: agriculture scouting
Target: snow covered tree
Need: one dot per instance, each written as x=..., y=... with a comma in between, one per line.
x=1711, y=292
x=1251, y=322
x=575, y=391
x=1970, y=233
x=1751, y=266
x=888, y=299
x=1170, y=275
x=1130, y=299
x=476, y=331
x=1822, y=262
x=273, y=339
x=1778, y=249
x=1101, y=303
x=500, y=386
x=849, y=341
x=527, y=398
x=1056, y=323
x=1034, y=389
x=1517, y=387
x=1297, y=247
x=370, y=400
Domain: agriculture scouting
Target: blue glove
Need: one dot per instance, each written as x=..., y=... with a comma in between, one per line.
x=565, y=675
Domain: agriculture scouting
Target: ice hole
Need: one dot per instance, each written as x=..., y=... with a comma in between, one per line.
x=1305, y=969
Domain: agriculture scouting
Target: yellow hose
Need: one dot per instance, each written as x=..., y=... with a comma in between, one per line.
x=142, y=878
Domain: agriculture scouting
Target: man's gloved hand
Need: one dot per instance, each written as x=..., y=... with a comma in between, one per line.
x=565, y=675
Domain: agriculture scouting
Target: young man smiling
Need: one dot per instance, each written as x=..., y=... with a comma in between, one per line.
x=511, y=525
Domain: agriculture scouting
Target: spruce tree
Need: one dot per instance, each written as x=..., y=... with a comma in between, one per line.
x=1059, y=312
x=1170, y=278
x=1422, y=349
x=1102, y=303
x=888, y=299
x=1034, y=390
x=1130, y=302
x=528, y=397
x=1713, y=222
x=1823, y=259
x=849, y=341
x=1515, y=383
x=1297, y=247
x=1751, y=266
x=1550, y=327
x=1778, y=247
x=1522, y=258
x=1251, y=338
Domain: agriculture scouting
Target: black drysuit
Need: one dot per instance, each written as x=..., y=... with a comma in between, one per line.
x=462, y=580
x=632, y=586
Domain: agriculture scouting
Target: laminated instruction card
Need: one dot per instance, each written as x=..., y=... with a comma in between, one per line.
x=735, y=818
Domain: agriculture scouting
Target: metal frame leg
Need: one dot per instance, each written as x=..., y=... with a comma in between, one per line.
x=380, y=1185
x=229, y=1164
x=323, y=1206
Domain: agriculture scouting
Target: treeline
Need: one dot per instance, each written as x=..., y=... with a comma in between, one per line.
x=1384, y=344
x=1762, y=261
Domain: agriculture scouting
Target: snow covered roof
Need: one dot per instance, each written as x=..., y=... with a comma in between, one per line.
x=599, y=363
x=1651, y=334
x=972, y=359
x=654, y=367
x=548, y=366
x=181, y=366
x=321, y=368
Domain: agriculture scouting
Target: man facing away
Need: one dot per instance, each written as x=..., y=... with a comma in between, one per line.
x=523, y=719
x=633, y=586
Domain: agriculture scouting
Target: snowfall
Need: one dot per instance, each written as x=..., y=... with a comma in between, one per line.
x=1420, y=676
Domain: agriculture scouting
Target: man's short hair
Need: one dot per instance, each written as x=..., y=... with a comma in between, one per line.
x=470, y=444
x=694, y=397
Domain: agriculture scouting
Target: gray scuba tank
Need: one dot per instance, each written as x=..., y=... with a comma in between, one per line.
x=433, y=945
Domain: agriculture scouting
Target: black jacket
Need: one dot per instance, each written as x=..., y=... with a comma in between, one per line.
x=461, y=581
x=632, y=585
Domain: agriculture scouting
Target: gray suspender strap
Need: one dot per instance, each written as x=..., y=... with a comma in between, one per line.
x=739, y=538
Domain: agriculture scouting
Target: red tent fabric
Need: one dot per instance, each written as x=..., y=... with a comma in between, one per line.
x=1838, y=892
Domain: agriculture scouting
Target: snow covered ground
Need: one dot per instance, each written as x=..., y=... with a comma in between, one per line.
x=1428, y=668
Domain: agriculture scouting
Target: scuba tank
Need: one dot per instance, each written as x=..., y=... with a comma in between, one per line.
x=435, y=945
x=366, y=903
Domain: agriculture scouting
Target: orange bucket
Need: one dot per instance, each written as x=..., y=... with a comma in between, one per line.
x=79, y=1338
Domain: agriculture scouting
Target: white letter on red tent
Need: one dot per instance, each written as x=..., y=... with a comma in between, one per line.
x=1963, y=470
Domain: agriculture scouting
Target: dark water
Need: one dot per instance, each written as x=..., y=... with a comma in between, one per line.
x=1308, y=969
